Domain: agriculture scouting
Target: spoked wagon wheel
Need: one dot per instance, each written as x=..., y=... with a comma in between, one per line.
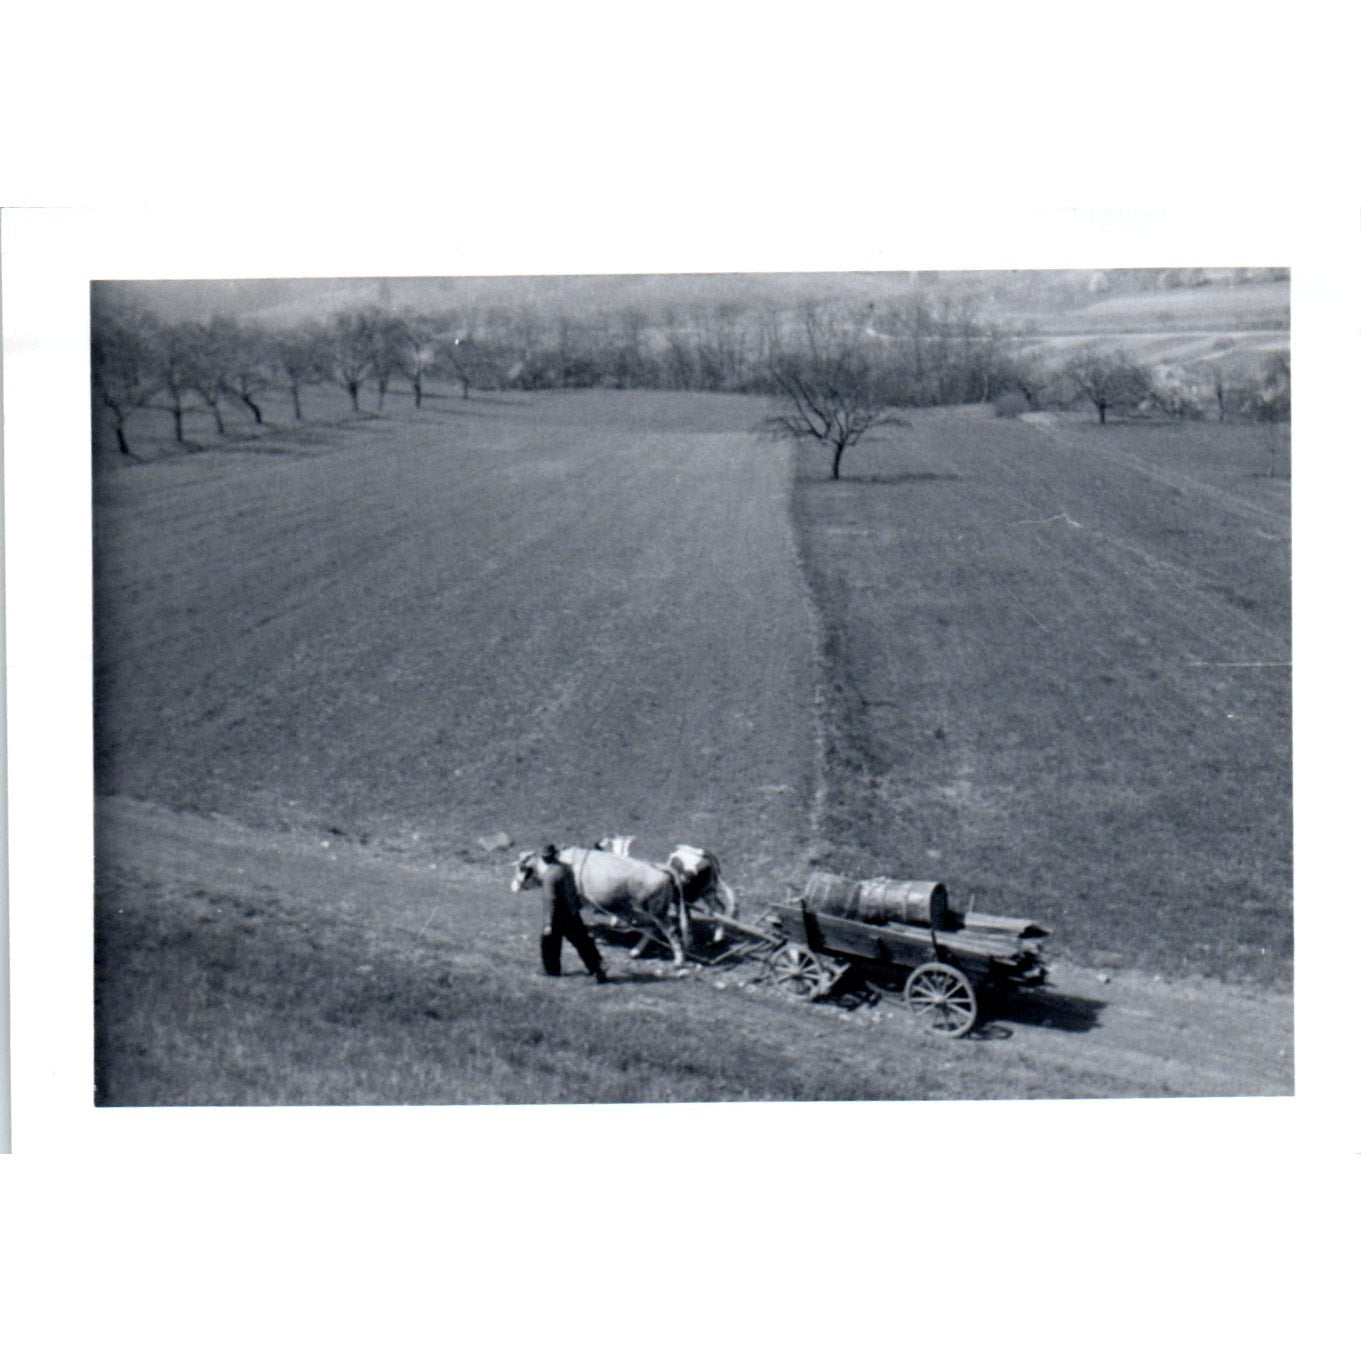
x=797, y=972
x=942, y=999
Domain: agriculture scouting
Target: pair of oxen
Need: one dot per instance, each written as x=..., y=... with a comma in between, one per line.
x=655, y=898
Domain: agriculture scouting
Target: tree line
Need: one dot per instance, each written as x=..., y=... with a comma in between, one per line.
x=836, y=371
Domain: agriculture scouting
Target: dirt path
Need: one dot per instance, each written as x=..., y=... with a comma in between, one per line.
x=1089, y=1035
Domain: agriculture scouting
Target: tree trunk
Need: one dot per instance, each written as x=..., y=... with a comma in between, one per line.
x=254, y=408
x=297, y=401
x=354, y=394
x=837, y=451
x=123, y=447
x=178, y=412
x=416, y=390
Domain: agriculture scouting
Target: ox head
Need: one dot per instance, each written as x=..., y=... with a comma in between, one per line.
x=689, y=859
x=527, y=869
x=616, y=845
x=701, y=879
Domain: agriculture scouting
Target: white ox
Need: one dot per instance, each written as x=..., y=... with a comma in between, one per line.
x=697, y=872
x=620, y=887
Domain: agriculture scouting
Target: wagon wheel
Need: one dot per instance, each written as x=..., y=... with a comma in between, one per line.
x=797, y=972
x=942, y=998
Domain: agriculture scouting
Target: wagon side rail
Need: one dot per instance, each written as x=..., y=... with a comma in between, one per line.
x=986, y=954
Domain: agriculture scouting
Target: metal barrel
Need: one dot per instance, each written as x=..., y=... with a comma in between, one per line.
x=882, y=902
x=916, y=902
x=831, y=893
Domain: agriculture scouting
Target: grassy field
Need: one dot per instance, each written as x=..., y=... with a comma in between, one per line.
x=1215, y=307
x=1237, y=328
x=1061, y=661
x=1047, y=663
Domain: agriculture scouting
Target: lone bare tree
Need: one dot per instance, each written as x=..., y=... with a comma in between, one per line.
x=830, y=386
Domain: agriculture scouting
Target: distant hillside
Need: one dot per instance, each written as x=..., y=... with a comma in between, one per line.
x=1169, y=315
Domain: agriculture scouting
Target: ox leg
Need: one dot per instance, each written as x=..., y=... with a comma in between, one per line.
x=678, y=937
x=677, y=949
x=685, y=937
x=720, y=932
x=727, y=904
x=646, y=936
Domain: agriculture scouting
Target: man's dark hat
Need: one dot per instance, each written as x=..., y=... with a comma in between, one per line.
x=549, y=852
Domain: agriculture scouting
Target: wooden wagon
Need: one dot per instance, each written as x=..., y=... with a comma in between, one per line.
x=900, y=937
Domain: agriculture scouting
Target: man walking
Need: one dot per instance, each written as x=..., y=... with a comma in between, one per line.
x=562, y=919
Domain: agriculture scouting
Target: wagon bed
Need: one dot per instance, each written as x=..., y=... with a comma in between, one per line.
x=940, y=972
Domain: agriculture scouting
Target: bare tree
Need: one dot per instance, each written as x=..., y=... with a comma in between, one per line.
x=351, y=345
x=245, y=352
x=389, y=339
x=123, y=363
x=1111, y=382
x=207, y=361
x=1024, y=375
x=1174, y=391
x=459, y=355
x=680, y=360
x=173, y=350
x=830, y=386
x=629, y=362
x=943, y=350
x=526, y=339
x=300, y=357
x=413, y=338
x=1220, y=383
x=1271, y=401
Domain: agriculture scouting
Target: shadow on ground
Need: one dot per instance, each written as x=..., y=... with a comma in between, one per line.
x=1049, y=1010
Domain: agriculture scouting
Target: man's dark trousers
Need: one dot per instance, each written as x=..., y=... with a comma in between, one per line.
x=567, y=925
x=562, y=920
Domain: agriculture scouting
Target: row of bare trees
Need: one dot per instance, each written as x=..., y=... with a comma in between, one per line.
x=1113, y=384
x=142, y=362
x=837, y=371
x=921, y=353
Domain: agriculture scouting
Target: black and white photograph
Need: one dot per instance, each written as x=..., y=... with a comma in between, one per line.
x=690, y=688
x=678, y=679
